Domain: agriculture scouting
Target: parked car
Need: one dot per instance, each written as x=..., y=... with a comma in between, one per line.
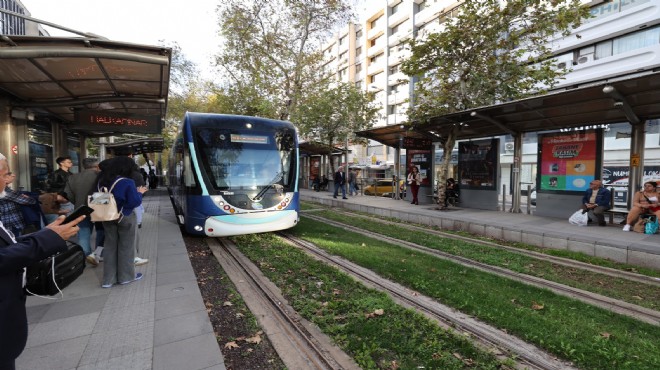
x=532, y=196
x=383, y=187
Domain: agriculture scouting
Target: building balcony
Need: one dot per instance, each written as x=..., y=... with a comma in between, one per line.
x=375, y=32
x=395, y=98
x=375, y=68
x=374, y=50
x=397, y=18
x=392, y=2
x=426, y=15
x=396, y=118
x=399, y=37
x=396, y=78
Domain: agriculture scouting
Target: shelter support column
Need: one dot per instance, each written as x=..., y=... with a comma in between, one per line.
x=637, y=143
x=515, y=182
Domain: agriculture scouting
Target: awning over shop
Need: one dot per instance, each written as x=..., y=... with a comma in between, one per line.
x=93, y=85
x=622, y=99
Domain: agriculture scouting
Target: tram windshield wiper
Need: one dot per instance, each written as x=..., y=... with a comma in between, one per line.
x=263, y=191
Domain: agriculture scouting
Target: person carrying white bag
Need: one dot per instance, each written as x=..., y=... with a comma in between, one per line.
x=595, y=202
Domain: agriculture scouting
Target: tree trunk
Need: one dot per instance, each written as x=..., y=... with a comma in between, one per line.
x=444, y=168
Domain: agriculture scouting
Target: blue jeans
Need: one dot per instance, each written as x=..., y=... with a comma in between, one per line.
x=139, y=211
x=85, y=234
x=343, y=190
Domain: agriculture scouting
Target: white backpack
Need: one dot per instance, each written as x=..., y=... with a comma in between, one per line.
x=104, y=205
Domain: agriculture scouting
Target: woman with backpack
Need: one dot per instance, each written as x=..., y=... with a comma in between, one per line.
x=119, y=246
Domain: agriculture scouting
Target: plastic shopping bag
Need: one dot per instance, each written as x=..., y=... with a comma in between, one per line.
x=579, y=218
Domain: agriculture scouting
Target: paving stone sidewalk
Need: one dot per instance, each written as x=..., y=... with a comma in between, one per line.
x=159, y=322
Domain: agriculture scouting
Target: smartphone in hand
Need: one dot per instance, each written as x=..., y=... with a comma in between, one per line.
x=80, y=211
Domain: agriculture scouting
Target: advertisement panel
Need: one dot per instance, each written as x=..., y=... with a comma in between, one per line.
x=568, y=161
x=421, y=159
x=478, y=164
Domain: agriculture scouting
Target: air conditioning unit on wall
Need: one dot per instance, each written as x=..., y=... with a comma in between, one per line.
x=585, y=59
x=508, y=147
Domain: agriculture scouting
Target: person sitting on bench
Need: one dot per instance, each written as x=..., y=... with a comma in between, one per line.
x=644, y=202
x=324, y=183
x=597, y=200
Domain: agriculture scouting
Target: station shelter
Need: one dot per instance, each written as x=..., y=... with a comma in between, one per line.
x=56, y=92
x=568, y=122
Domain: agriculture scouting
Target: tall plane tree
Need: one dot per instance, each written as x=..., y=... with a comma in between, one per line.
x=274, y=46
x=492, y=51
x=332, y=115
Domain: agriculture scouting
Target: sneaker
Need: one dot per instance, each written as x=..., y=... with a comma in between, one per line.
x=91, y=259
x=106, y=286
x=626, y=228
x=138, y=276
x=141, y=261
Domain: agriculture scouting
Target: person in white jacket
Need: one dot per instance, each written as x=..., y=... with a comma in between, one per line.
x=414, y=180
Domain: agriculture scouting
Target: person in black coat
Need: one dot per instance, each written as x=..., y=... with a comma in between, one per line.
x=15, y=255
x=340, y=180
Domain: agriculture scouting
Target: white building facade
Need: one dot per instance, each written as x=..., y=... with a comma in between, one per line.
x=622, y=39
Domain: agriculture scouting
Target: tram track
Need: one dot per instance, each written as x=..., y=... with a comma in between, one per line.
x=496, y=341
x=624, y=308
x=651, y=280
x=299, y=344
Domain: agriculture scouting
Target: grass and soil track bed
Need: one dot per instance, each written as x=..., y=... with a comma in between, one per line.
x=591, y=337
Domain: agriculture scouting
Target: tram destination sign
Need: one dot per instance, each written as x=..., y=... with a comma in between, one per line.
x=416, y=143
x=90, y=120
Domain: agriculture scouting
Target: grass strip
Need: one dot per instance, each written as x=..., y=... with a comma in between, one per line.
x=577, y=256
x=591, y=337
x=645, y=295
x=349, y=313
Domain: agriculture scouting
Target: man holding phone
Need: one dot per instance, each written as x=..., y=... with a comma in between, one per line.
x=16, y=253
x=78, y=186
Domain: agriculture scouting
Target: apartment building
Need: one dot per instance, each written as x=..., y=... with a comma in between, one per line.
x=621, y=39
x=14, y=25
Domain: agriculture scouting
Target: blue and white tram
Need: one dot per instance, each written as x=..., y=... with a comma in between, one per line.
x=234, y=175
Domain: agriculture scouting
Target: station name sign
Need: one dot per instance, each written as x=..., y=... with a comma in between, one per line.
x=90, y=120
x=416, y=143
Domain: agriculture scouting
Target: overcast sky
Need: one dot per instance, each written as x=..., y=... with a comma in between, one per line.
x=191, y=23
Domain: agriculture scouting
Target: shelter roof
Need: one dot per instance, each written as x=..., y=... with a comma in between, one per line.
x=138, y=146
x=59, y=76
x=391, y=135
x=620, y=99
x=317, y=148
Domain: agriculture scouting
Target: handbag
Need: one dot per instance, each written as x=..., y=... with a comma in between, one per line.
x=49, y=276
x=579, y=218
x=651, y=226
x=104, y=204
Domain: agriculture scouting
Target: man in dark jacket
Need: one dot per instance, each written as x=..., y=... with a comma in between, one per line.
x=596, y=200
x=340, y=180
x=57, y=181
x=15, y=255
x=77, y=188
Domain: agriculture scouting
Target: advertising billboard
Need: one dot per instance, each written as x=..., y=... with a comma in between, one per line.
x=478, y=164
x=569, y=161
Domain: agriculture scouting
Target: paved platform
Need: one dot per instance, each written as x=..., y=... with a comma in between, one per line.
x=607, y=242
x=159, y=322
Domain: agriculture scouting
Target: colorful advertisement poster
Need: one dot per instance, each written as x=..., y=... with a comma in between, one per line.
x=478, y=164
x=568, y=161
x=421, y=159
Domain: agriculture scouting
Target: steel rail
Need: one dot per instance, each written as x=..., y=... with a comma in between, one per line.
x=624, y=308
x=298, y=348
x=487, y=337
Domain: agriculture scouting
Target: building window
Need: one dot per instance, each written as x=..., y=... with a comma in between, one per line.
x=358, y=68
x=394, y=69
x=637, y=40
x=395, y=29
x=376, y=22
x=376, y=58
x=343, y=55
x=358, y=51
x=396, y=8
x=377, y=78
x=358, y=34
x=342, y=40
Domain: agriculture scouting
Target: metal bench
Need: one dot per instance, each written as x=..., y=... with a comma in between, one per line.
x=615, y=210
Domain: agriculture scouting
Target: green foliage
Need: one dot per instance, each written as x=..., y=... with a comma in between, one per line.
x=273, y=46
x=492, y=51
x=332, y=115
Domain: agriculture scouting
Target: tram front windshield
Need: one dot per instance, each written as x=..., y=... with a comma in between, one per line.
x=247, y=162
